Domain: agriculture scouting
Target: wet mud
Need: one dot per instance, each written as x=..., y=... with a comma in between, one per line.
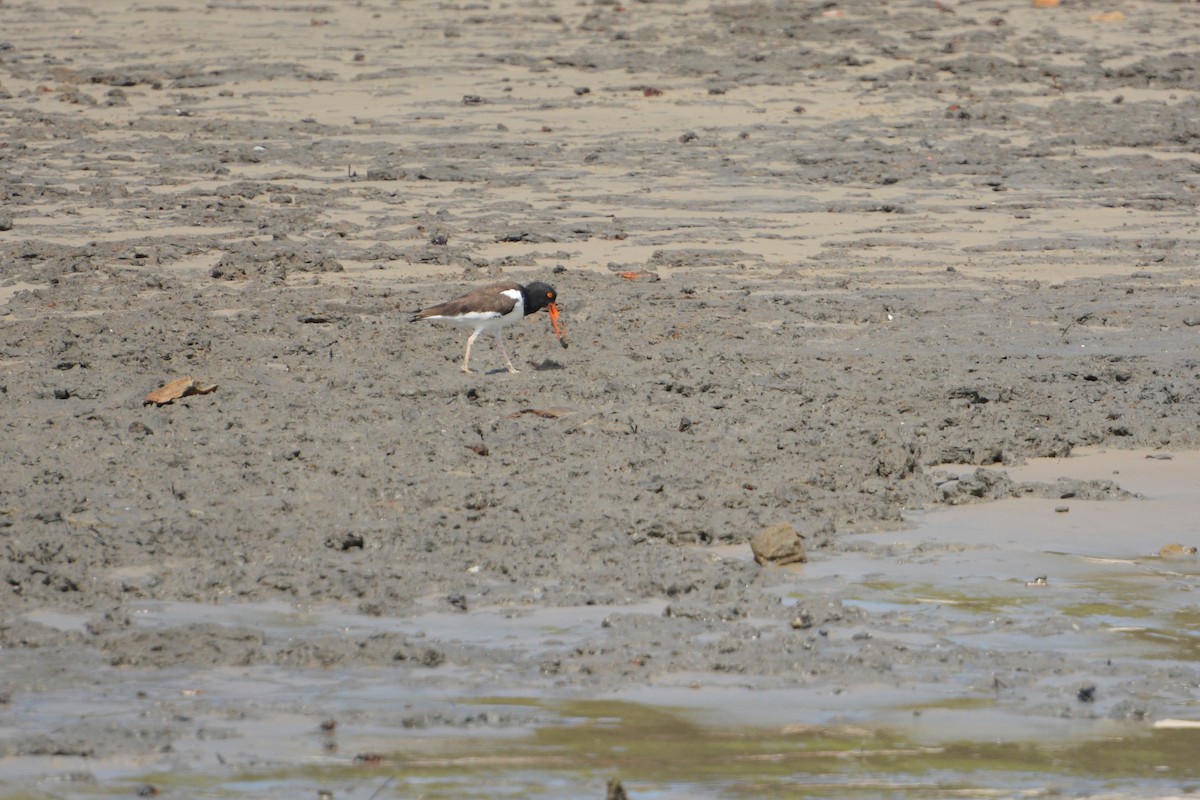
x=836, y=267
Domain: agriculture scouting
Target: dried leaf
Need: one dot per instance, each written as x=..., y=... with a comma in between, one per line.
x=180, y=387
x=1111, y=16
x=639, y=275
x=1046, y=3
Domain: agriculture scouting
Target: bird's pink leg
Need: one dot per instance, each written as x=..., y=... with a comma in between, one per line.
x=466, y=365
x=504, y=352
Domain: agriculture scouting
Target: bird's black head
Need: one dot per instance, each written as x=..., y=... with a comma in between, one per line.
x=539, y=295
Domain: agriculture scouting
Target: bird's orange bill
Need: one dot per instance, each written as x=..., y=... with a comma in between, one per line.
x=559, y=329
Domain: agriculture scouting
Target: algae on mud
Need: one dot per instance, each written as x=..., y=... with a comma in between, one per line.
x=659, y=751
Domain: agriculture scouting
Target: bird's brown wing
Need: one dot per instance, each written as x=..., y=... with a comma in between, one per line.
x=484, y=299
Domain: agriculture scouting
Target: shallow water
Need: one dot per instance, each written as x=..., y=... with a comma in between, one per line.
x=964, y=576
x=661, y=753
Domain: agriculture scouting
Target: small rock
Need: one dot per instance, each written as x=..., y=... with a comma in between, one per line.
x=1176, y=552
x=349, y=541
x=384, y=174
x=140, y=429
x=1061, y=509
x=778, y=544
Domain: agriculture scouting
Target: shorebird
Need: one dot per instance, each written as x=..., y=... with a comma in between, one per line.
x=494, y=308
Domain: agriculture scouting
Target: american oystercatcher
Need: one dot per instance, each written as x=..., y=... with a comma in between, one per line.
x=494, y=308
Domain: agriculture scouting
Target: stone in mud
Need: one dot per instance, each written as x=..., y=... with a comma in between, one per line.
x=1176, y=552
x=778, y=544
x=983, y=484
x=385, y=174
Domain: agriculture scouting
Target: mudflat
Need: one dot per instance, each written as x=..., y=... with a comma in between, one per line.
x=820, y=265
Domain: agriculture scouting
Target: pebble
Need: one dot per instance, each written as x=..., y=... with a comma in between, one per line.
x=140, y=429
x=802, y=621
x=1176, y=552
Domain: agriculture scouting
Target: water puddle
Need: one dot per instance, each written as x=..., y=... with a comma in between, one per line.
x=532, y=630
x=1032, y=568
